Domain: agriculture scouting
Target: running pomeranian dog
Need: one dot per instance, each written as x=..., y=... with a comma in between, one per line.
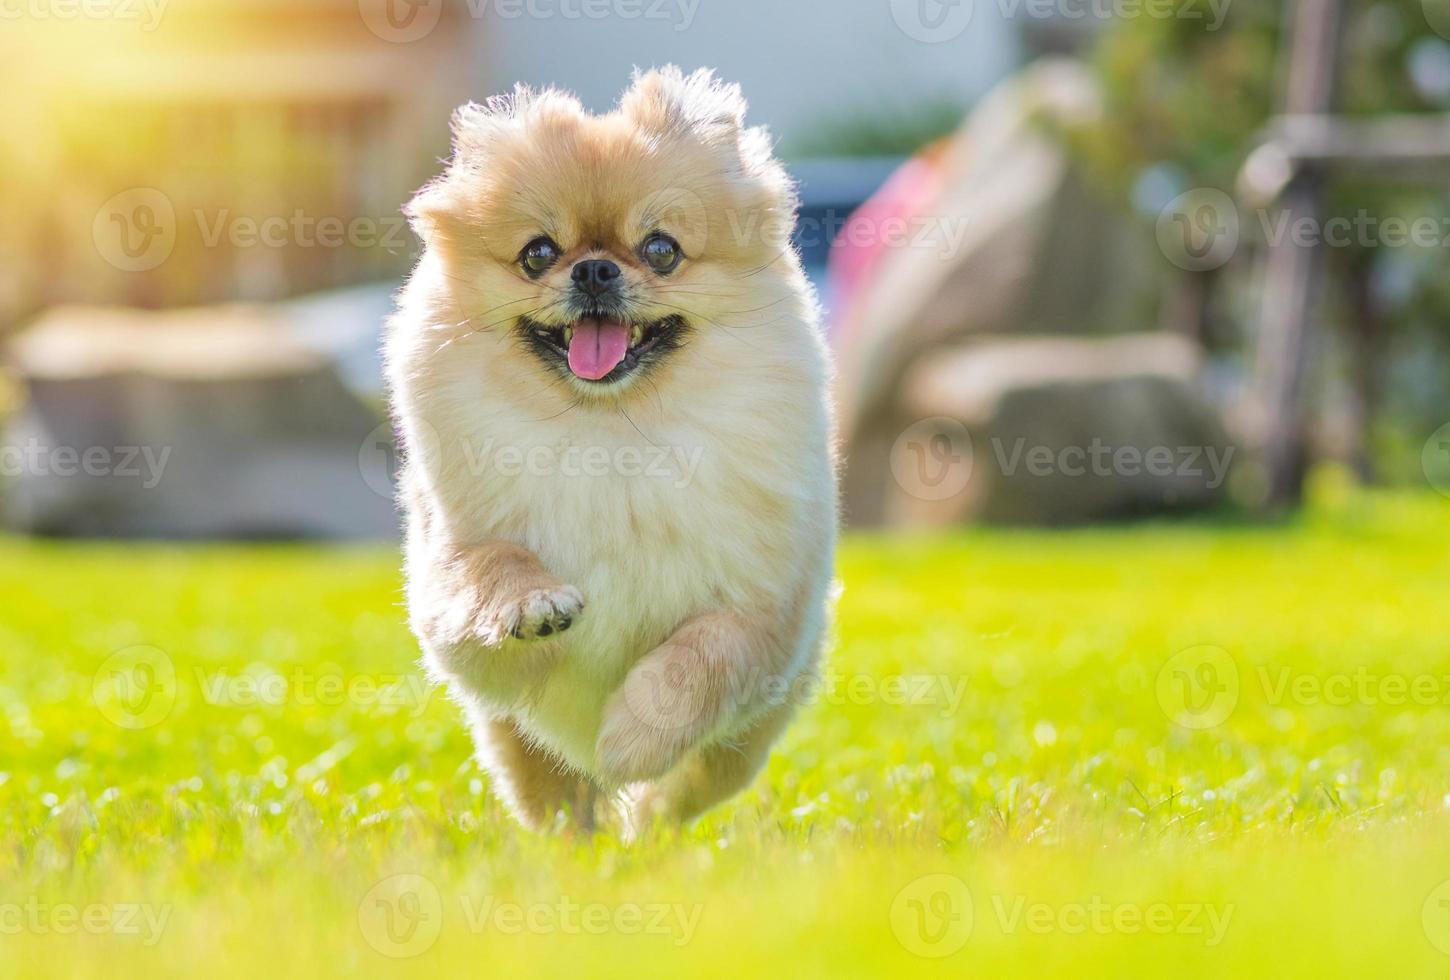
x=619, y=481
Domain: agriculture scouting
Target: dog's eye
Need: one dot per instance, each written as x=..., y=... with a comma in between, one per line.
x=538, y=255
x=661, y=252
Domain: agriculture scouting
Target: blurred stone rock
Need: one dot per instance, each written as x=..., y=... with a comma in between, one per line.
x=1053, y=431
x=230, y=421
x=1015, y=243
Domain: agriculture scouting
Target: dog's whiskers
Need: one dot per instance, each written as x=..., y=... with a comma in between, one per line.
x=572, y=405
x=638, y=429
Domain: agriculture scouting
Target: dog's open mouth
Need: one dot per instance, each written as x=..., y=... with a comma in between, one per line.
x=602, y=349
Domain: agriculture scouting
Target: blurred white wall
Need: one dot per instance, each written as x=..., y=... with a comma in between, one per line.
x=799, y=61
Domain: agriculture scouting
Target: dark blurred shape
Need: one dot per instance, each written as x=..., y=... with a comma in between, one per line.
x=1058, y=431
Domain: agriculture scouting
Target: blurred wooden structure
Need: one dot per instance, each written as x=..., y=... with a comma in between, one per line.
x=1306, y=145
x=242, y=113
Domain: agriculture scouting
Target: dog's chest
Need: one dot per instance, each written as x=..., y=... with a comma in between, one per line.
x=650, y=534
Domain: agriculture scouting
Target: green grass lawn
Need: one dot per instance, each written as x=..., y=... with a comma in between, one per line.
x=1176, y=750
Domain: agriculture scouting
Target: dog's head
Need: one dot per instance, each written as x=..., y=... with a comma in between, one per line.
x=603, y=244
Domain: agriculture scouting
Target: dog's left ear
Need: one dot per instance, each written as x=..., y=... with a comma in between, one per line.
x=667, y=101
x=670, y=104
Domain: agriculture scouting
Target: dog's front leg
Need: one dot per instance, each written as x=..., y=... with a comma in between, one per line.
x=489, y=593
x=712, y=676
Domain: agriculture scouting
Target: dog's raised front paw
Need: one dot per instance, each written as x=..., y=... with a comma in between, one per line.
x=532, y=616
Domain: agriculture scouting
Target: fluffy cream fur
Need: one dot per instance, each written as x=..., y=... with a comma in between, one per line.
x=625, y=583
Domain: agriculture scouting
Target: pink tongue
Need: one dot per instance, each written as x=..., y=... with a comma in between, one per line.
x=597, y=347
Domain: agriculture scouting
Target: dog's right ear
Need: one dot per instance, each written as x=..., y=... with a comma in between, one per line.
x=476, y=125
x=438, y=209
x=429, y=210
x=444, y=205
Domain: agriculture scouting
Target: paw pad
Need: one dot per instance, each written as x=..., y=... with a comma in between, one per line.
x=545, y=612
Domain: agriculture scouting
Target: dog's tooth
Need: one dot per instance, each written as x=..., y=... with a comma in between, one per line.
x=568, y=335
x=636, y=334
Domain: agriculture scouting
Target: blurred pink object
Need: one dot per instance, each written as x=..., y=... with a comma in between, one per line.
x=910, y=191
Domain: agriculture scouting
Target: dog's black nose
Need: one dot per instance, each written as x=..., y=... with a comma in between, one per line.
x=594, y=276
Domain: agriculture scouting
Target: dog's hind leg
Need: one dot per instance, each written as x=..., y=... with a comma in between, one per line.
x=534, y=783
x=708, y=775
